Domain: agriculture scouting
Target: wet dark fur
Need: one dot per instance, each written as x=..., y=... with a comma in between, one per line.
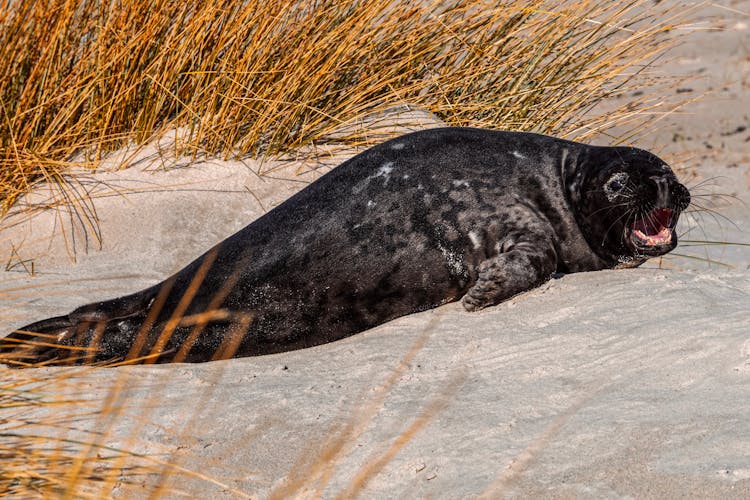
x=408, y=225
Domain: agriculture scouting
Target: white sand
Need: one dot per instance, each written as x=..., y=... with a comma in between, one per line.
x=630, y=383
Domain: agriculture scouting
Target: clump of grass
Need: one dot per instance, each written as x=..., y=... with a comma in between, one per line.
x=262, y=78
x=39, y=461
x=55, y=441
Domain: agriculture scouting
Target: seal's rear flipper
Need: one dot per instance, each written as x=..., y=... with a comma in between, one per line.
x=94, y=333
x=50, y=341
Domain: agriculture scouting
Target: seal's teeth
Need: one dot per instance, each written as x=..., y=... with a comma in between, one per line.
x=663, y=237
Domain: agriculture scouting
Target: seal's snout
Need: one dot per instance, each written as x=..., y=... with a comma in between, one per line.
x=653, y=232
x=668, y=193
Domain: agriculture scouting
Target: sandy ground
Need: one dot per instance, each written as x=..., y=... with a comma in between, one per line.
x=631, y=383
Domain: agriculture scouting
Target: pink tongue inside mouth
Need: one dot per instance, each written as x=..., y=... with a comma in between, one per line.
x=654, y=228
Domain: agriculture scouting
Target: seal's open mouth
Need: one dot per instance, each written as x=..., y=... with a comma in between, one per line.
x=656, y=229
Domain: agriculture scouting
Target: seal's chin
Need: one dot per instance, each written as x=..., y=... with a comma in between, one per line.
x=654, y=233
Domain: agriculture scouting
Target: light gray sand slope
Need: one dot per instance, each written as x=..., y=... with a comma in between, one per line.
x=628, y=383
x=610, y=384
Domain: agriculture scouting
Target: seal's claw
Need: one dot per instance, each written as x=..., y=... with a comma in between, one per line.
x=471, y=304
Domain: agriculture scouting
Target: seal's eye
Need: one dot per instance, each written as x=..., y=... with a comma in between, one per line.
x=615, y=185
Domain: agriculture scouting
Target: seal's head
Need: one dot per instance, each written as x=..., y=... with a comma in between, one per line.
x=628, y=202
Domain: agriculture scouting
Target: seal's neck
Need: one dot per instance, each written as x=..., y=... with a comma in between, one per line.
x=575, y=167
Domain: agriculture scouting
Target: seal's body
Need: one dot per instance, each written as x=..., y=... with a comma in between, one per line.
x=413, y=223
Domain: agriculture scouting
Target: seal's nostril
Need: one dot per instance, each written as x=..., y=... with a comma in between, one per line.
x=662, y=190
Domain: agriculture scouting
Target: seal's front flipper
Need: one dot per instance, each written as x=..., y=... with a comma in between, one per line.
x=526, y=261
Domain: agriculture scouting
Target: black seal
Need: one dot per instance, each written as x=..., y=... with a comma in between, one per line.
x=413, y=223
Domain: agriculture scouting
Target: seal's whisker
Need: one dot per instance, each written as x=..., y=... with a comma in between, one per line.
x=709, y=181
x=618, y=219
x=609, y=208
x=700, y=210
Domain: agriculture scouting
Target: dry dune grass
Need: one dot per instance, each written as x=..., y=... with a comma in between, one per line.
x=51, y=457
x=261, y=78
x=57, y=457
x=82, y=78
